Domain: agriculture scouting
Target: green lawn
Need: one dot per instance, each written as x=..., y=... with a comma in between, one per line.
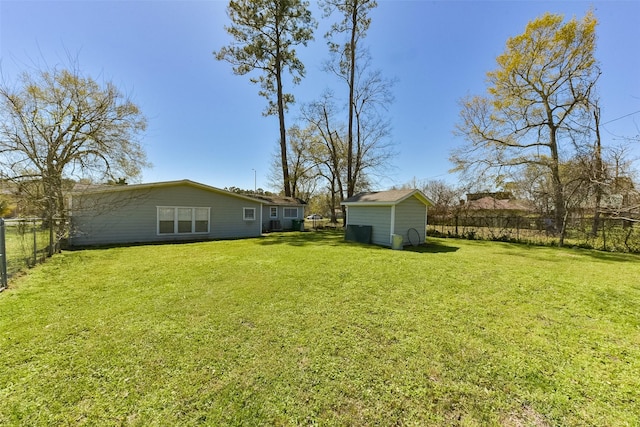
x=302, y=328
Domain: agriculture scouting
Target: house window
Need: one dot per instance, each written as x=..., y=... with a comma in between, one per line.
x=201, y=222
x=273, y=212
x=249, y=214
x=182, y=220
x=185, y=216
x=291, y=212
x=166, y=220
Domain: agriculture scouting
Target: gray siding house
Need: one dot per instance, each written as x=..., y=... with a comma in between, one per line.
x=389, y=213
x=280, y=213
x=163, y=212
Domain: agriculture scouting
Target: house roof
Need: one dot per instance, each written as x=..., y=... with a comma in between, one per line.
x=275, y=200
x=491, y=203
x=386, y=198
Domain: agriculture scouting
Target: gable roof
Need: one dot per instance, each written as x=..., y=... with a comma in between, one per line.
x=122, y=188
x=386, y=198
x=491, y=203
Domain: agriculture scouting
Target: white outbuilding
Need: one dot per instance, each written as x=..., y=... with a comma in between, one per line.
x=388, y=218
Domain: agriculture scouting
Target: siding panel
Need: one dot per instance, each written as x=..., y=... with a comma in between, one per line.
x=377, y=216
x=285, y=223
x=131, y=216
x=410, y=213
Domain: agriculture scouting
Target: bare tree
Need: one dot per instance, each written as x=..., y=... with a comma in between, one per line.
x=350, y=168
x=302, y=173
x=354, y=23
x=328, y=154
x=57, y=126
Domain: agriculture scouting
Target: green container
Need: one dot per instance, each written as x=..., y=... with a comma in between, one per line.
x=297, y=224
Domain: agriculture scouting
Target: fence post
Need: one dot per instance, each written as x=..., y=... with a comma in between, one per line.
x=3, y=257
x=35, y=243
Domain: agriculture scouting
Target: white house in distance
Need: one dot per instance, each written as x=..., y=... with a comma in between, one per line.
x=174, y=211
x=385, y=214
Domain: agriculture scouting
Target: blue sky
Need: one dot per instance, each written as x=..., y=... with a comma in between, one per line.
x=205, y=123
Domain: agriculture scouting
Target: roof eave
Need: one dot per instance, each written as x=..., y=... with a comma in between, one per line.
x=152, y=185
x=416, y=193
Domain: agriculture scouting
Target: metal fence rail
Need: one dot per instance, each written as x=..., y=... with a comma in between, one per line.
x=611, y=234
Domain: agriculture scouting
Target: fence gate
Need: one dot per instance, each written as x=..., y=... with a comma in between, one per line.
x=3, y=257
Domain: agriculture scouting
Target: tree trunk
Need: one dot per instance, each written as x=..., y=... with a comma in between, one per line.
x=283, y=130
x=598, y=174
x=558, y=190
x=333, y=217
x=351, y=179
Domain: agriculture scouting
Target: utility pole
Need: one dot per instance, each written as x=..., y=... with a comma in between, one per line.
x=255, y=187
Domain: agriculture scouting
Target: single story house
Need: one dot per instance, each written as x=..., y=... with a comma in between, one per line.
x=500, y=210
x=388, y=214
x=497, y=203
x=281, y=213
x=169, y=211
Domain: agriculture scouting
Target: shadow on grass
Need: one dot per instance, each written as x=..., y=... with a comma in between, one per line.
x=608, y=256
x=531, y=249
x=336, y=238
x=431, y=247
x=302, y=238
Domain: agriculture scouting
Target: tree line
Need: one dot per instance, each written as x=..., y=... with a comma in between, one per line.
x=335, y=141
x=537, y=125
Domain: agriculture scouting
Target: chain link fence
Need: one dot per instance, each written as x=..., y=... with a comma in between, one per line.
x=607, y=234
x=23, y=244
x=3, y=258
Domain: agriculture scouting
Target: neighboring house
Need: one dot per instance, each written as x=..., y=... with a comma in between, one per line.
x=494, y=210
x=496, y=204
x=389, y=213
x=164, y=212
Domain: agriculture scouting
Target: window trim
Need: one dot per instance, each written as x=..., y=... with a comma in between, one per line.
x=284, y=214
x=273, y=212
x=176, y=221
x=244, y=214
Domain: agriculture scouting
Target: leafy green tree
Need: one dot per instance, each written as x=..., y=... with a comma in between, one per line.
x=57, y=126
x=5, y=208
x=265, y=34
x=536, y=107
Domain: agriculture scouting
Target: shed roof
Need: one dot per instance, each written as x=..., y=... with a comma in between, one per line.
x=389, y=197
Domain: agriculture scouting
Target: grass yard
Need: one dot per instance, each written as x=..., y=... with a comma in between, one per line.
x=304, y=329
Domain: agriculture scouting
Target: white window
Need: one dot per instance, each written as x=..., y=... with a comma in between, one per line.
x=249, y=214
x=201, y=220
x=273, y=212
x=182, y=220
x=291, y=212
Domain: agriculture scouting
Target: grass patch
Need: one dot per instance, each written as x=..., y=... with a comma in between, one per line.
x=302, y=328
x=26, y=244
